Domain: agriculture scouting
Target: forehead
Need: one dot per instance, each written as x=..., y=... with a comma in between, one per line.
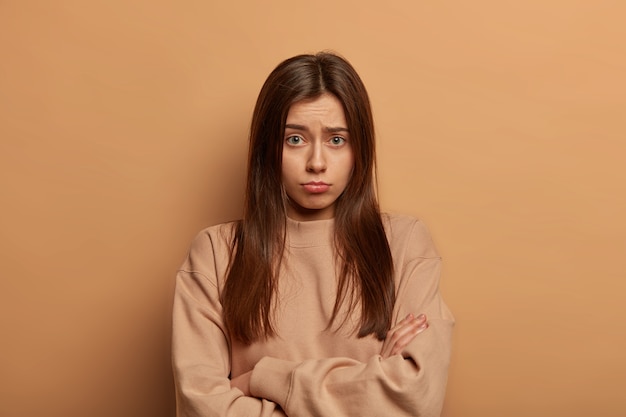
x=325, y=108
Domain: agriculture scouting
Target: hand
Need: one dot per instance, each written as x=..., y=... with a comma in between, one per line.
x=242, y=382
x=400, y=335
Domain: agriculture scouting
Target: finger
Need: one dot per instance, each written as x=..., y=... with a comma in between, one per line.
x=405, y=327
x=409, y=317
x=402, y=335
x=402, y=323
x=393, y=334
x=407, y=338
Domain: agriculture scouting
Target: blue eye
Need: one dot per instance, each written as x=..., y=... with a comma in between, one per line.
x=337, y=140
x=294, y=140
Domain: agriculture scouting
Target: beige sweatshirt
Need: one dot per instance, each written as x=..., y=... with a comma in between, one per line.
x=309, y=370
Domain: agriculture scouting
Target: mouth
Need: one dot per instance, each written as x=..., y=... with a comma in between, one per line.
x=316, y=187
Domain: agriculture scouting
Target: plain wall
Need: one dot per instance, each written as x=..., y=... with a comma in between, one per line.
x=123, y=129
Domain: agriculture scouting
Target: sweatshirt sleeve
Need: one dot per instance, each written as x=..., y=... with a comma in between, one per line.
x=200, y=348
x=411, y=384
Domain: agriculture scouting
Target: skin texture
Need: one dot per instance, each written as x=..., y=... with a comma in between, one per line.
x=316, y=150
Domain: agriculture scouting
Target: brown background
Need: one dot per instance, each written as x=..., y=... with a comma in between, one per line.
x=123, y=132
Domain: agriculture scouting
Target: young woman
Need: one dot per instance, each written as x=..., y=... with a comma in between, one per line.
x=315, y=303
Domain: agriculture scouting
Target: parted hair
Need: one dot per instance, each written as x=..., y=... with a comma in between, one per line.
x=365, y=280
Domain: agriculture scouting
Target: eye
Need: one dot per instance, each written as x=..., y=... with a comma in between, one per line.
x=294, y=140
x=337, y=140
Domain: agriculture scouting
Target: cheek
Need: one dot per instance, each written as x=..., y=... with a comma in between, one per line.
x=287, y=169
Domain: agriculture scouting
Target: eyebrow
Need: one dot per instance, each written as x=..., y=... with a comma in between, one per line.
x=327, y=129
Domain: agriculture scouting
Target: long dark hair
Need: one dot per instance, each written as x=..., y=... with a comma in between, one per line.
x=366, y=276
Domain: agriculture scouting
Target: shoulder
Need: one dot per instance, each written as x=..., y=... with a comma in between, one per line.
x=215, y=234
x=408, y=235
x=210, y=244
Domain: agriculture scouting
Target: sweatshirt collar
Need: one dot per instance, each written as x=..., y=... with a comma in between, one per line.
x=310, y=233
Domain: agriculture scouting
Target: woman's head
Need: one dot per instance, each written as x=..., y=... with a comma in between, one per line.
x=299, y=88
x=299, y=79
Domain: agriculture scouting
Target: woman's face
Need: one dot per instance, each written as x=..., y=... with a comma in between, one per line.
x=317, y=157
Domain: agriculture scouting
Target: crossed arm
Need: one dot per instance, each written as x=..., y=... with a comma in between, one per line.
x=398, y=337
x=405, y=376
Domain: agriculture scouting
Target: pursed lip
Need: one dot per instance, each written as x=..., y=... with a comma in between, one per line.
x=316, y=187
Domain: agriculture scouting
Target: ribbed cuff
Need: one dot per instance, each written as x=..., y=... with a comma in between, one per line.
x=271, y=379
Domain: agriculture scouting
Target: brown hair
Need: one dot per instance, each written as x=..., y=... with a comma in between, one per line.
x=366, y=276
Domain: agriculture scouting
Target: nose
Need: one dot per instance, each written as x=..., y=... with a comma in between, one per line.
x=317, y=160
